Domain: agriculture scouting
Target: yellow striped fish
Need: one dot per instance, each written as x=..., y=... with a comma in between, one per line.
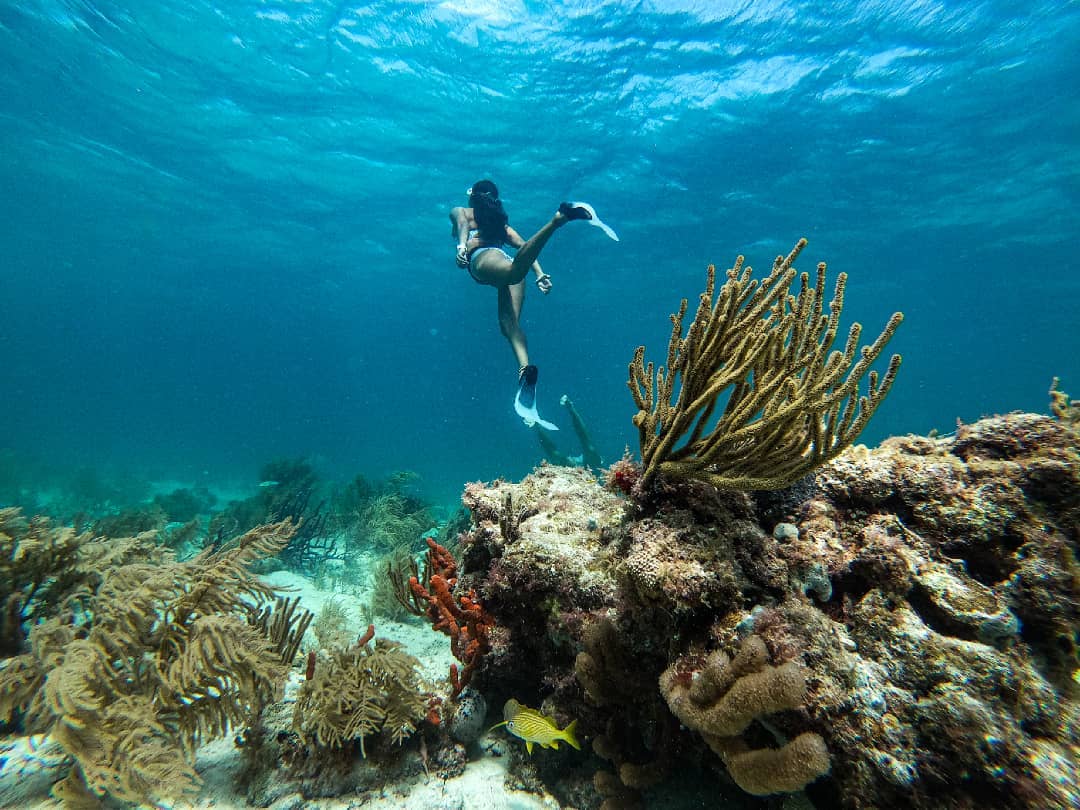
x=534, y=727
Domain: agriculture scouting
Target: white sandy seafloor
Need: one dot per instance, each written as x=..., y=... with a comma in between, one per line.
x=27, y=775
x=29, y=766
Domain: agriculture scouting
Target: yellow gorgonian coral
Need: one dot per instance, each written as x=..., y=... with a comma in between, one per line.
x=754, y=397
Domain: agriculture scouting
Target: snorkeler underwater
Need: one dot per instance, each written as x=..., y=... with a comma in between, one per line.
x=482, y=230
x=294, y=512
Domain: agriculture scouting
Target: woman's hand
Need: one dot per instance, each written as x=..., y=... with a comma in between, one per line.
x=462, y=256
x=543, y=283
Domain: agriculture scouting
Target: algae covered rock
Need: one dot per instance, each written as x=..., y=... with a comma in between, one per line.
x=467, y=720
x=928, y=591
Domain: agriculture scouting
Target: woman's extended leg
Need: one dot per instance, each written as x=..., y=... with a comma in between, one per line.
x=590, y=456
x=510, y=300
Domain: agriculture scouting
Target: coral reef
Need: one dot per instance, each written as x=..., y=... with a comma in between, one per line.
x=337, y=525
x=913, y=608
x=289, y=489
x=789, y=402
x=147, y=660
x=184, y=504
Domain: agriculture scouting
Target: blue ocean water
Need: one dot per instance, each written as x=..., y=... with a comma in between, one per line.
x=224, y=232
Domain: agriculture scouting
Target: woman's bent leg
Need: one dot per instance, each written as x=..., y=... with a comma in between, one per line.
x=495, y=268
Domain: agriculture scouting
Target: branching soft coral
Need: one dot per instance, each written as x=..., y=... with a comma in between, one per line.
x=359, y=692
x=38, y=566
x=44, y=567
x=753, y=397
x=159, y=658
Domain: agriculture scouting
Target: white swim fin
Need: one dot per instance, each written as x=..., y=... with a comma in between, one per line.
x=594, y=219
x=530, y=416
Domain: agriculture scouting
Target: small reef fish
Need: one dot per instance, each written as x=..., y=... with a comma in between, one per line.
x=534, y=727
x=268, y=483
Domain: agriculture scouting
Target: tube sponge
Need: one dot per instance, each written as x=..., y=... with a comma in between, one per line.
x=726, y=696
x=744, y=698
x=774, y=689
x=780, y=770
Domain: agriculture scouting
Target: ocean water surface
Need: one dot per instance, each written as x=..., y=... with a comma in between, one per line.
x=224, y=233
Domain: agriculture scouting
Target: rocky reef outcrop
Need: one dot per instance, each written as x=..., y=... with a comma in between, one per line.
x=922, y=597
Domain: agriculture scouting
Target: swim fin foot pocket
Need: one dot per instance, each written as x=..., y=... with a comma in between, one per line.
x=572, y=211
x=525, y=400
x=584, y=211
x=527, y=386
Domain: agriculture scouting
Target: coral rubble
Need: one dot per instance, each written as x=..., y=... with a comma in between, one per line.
x=906, y=622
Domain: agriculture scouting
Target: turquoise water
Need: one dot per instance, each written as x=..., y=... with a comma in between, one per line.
x=224, y=227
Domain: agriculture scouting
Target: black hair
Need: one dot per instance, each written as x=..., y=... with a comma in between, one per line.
x=491, y=218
